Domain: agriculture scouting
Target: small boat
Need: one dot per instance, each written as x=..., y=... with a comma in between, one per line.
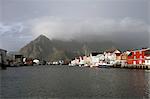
x=105, y=65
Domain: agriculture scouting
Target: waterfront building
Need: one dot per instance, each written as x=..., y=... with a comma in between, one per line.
x=75, y=62
x=138, y=56
x=147, y=60
x=18, y=60
x=124, y=57
x=147, y=57
x=2, y=57
x=36, y=61
x=87, y=60
x=97, y=58
x=112, y=56
x=81, y=61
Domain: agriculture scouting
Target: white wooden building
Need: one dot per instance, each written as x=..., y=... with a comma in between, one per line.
x=97, y=58
x=147, y=60
x=112, y=56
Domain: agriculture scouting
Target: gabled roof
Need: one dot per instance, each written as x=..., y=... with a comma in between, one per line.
x=144, y=49
x=112, y=50
x=117, y=51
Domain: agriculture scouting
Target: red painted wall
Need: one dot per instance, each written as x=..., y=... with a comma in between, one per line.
x=136, y=56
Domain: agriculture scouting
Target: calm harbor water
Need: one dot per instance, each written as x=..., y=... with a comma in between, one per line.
x=73, y=82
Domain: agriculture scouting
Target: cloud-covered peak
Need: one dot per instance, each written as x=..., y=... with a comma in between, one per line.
x=120, y=31
x=65, y=29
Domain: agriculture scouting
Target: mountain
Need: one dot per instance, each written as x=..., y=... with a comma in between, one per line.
x=39, y=48
x=45, y=49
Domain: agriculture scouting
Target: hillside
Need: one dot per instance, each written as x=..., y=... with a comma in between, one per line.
x=45, y=49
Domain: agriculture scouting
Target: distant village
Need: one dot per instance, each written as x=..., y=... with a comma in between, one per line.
x=139, y=58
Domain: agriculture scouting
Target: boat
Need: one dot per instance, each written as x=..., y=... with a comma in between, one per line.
x=105, y=65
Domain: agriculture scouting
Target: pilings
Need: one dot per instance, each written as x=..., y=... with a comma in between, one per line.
x=137, y=66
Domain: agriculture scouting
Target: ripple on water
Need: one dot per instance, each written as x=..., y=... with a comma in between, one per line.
x=64, y=81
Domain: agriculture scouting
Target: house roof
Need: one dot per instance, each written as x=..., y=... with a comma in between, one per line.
x=3, y=50
x=144, y=49
x=96, y=53
x=112, y=50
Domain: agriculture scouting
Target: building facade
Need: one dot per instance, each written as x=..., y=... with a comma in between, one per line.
x=112, y=56
x=97, y=58
x=137, y=56
x=2, y=57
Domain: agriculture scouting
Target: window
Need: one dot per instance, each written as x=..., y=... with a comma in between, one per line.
x=130, y=54
x=147, y=53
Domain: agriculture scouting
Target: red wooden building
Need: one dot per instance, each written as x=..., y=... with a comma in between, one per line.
x=137, y=56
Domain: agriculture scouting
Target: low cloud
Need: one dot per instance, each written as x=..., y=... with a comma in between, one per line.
x=16, y=27
x=127, y=30
x=11, y=29
x=65, y=29
x=13, y=36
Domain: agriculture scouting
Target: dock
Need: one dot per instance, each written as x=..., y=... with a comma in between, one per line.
x=132, y=66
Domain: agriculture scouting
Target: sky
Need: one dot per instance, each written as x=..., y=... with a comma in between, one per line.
x=125, y=22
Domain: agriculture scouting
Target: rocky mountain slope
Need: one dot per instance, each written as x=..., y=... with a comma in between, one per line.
x=45, y=49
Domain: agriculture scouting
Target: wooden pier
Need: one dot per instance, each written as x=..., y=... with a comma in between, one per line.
x=132, y=66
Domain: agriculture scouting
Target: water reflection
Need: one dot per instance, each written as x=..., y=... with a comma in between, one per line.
x=147, y=85
x=61, y=82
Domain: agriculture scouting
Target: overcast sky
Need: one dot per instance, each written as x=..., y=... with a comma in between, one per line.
x=118, y=20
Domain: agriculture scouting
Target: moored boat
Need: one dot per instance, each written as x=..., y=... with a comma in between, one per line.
x=105, y=65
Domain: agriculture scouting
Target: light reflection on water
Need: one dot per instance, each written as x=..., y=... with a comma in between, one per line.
x=74, y=82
